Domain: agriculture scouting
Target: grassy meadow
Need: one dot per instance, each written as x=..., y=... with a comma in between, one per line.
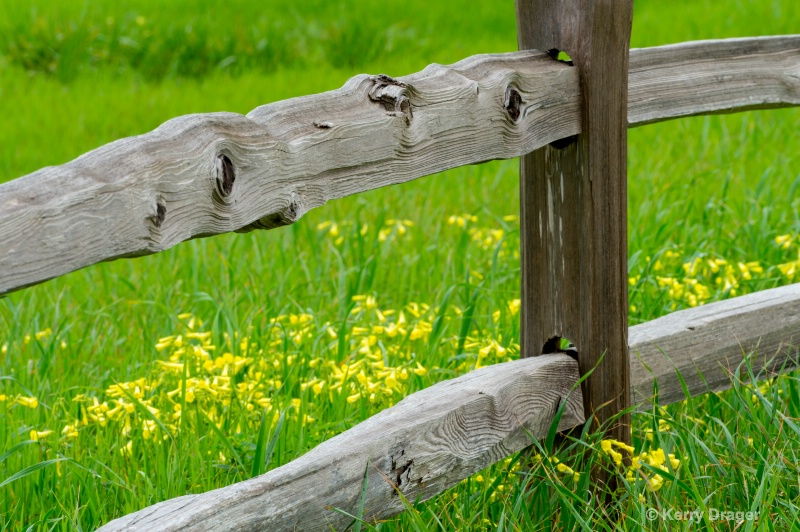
x=135, y=381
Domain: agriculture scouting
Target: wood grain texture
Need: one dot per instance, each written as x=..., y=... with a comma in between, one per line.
x=706, y=344
x=426, y=443
x=144, y=194
x=709, y=77
x=573, y=200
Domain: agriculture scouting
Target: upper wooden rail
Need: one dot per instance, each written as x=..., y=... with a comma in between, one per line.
x=201, y=175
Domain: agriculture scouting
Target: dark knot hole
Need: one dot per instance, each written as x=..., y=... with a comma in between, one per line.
x=225, y=175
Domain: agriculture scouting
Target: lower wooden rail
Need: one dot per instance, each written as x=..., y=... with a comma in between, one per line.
x=423, y=445
x=706, y=344
x=438, y=436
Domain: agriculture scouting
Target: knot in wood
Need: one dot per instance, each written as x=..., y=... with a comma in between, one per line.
x=161, y=213
x=513, y=103
x=287, y=215
x=226, y=175
x=392, y=94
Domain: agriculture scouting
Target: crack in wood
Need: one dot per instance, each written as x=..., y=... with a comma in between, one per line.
x=401, y=471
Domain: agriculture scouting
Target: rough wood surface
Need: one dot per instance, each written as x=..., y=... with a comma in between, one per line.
x=706, y=344
x=707, y=77
x=201, y=175
x=573, y=201
x=426, y=443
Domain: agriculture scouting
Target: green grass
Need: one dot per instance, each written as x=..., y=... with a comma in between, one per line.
x=76, y=75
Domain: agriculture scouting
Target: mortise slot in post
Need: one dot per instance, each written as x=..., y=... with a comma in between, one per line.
x=560, y=144
x=557, y=344
x=560, y=55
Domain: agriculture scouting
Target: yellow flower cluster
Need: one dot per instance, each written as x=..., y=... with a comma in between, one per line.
x=505, y=468
x=512, y=308
x=764, y=389
x=331, y=229
x=29, y=402
x=786, y=241
x=462, y=220
x=561, y=467
x=396, y=228
x=789, y=269
x=694, y=282
x=486, y=238
x=699, y=277
x=40, y=435
x=656, y=459
x=371, y=361
x=391, y=229
x=40, y=336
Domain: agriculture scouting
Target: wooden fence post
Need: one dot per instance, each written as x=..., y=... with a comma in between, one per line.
x=574, y=205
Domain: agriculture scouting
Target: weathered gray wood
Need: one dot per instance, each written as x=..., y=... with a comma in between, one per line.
x=573, y=202
x=706, y=344
x=708, y=77
x=144, y=194
x=426, y=443
x=200, y=175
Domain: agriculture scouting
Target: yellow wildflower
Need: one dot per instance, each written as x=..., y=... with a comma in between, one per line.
x=353, y=398
x=30, y=402
x=461, y=220
x=40, y=435
x=70, y=432
x=655, y=482
x=127, y=450
x=784, y=241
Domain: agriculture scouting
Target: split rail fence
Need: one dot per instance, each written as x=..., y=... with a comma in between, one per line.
x=202, y=175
